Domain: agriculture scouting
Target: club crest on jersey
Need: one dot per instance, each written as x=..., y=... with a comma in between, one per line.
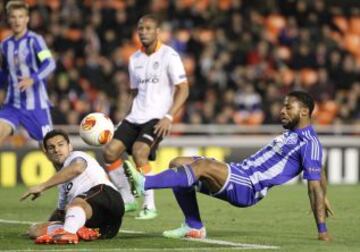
x=291, y=139
x=278, y=143
x=156, y=65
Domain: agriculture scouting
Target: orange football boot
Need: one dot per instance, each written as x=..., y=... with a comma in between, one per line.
x=88, y=234
x=60, y=236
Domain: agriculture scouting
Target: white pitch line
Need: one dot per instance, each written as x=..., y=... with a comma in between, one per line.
x=129, y=249
x=233, y=245
x=17, y=222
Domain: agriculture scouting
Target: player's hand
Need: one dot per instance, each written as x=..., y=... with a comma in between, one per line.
x=163, y=127
x=324, y=237
x=35, y=191
x=25, y=82
x=328, y=209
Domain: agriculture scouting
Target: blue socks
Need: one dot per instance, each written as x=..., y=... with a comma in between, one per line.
x=182, y=176
x=186, y=198
x=181, y=179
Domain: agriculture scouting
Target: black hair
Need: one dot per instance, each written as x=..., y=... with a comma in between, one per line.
x=153, y=18
x=53, y=133
x=305, y=99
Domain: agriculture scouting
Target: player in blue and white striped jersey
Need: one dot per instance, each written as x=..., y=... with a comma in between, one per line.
x=245, y=183
x=26, y=62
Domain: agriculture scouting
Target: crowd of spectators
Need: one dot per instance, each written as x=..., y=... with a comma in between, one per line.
x=241, y=56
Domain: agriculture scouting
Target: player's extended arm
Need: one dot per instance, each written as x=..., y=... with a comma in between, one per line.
x=323, y=182
x=130, y=101
x=162, y=128
x=46, y=67
x=180, y=96
x=57, y=215
x=317, y=201
x=65, y=174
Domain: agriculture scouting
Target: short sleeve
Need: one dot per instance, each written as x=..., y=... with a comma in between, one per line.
x=132, y=77
x=312, y=160
x=176, y=70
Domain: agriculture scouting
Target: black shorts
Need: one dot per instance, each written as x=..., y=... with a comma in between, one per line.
x=128, y=133
x=107, y=207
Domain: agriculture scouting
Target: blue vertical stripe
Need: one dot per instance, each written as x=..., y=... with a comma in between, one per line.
x=21, y=60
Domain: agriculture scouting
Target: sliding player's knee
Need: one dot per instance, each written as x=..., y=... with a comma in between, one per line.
x=206, y=168
x=178, y=161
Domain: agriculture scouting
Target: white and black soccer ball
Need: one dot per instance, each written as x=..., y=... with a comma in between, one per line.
x=96, y=129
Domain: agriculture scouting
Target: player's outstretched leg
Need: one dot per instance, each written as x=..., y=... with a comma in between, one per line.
x=135, y=178
x=137, y=183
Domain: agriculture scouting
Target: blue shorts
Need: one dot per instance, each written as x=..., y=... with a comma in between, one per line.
x=237, y=190
x=36, y=122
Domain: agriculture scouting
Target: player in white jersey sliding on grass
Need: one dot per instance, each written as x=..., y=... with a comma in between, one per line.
x=87, y=198
x=159, y=88
x=245, y=183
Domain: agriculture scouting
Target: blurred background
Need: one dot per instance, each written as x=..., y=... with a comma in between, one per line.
x=241, y=58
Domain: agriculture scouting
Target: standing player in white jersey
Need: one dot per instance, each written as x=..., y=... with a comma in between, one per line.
x=159, y=88
x=87, y=198
x=245, y=183
x=26, y=62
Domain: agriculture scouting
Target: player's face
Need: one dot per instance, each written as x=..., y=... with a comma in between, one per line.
x=18, y=20
x=57, y=150
x=290, y=113
x=148, y=32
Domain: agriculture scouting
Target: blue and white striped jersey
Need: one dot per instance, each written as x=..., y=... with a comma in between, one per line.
x=283, y=159
x=26, y=57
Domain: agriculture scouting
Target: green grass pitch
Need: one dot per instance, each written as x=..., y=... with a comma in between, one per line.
x=281, y=220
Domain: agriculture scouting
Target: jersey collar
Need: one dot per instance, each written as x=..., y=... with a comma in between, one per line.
x=157, y=48
x=309, y=127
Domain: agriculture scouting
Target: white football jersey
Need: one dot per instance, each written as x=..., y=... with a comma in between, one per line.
x=93, y=175
x=155, y=77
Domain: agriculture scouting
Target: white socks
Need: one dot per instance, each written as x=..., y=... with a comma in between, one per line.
x=75, y=218
x=149, y=200
x=119, y=179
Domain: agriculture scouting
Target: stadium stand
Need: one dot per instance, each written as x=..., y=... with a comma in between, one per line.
x=241, y=56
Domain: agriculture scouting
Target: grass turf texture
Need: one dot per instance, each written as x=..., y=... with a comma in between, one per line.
x=281, y=219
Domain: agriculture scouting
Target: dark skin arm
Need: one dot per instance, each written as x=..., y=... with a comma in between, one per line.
x=323, y=183
x=163, y=127
x=317, y=202
x=131, y=97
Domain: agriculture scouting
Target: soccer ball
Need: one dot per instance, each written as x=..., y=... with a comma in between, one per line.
x=96, y=129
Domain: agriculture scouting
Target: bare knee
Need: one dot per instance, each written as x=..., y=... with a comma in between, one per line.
x=178, y=161
x=205, y=168
x=5, y=130
x=113, y=151
x=140, y=152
